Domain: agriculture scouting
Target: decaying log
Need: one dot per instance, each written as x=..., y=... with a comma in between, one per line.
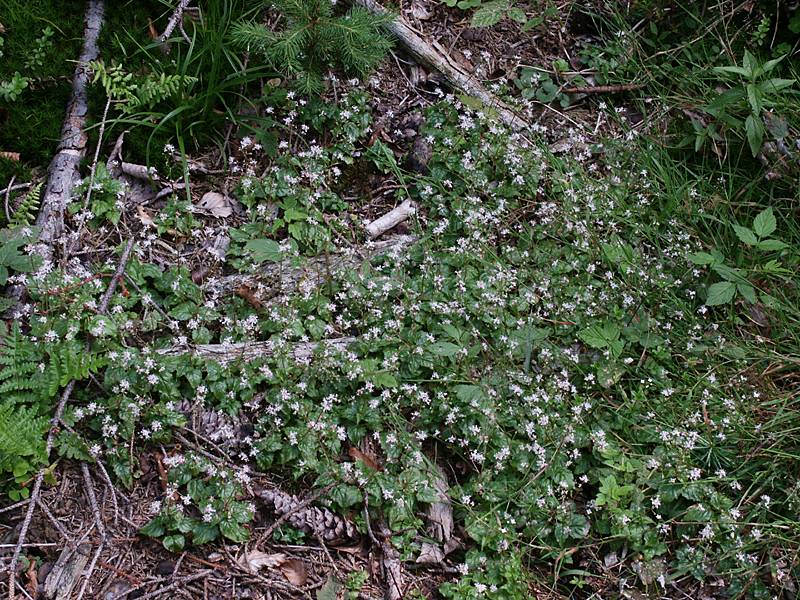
x=434, y=56
x=391, y=219
x=66, y=572
x=247, y=351
x=276, y=280
x=63, y=172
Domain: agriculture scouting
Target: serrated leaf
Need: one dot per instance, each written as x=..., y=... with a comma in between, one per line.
x=702, y=258
x=765, y=224
x=489, y=14
x=746, y=235
x=755, y=133
x=771, y=245
x=747, y=292
x=720, y=293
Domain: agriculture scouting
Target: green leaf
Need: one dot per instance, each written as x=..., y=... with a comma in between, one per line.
x=703, y=258
x=765, y=224
x=598, y=336
x=747, y=292
x=331, y=589
x=489, y=14
x=518, y=15
x=234, y=531
x=720, y=293
x=754, y=98
x=734, y=70
x=174, y=543
x=746, y=235
x=444, y=348
x=264, y=250
x=771, y=245
x=754, y=129
x=729, y=273
x=153, y=528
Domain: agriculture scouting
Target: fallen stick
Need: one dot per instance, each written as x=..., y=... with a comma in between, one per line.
x=604, y=89
x=63, y=172
x=177, y=17
x=436, y=57
x=247, y=351
x=391, y=219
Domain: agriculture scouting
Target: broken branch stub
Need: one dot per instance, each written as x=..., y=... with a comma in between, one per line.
x=391, y=219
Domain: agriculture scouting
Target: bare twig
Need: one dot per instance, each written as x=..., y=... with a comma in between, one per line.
x=604, y=89
x=14, y=188
x=167, y=588
x=177, y=17
x=8, y=198
x=98, y=519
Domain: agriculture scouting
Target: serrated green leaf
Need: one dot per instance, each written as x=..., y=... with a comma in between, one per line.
x=747, y=292
x=765, y=224
x=702, y=258
x=746, y=235
x=720, y=293
x=754, y=129
x=771, y=245
x=489, y=14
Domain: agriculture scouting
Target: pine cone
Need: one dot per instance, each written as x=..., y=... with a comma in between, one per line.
x=215, y=425
x=321, y=522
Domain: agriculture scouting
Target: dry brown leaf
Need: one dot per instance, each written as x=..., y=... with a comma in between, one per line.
x=295, y=571
x=144, y=216
x=199, y=274
x=12, y=156
x=357, y=454
x=246, y=292
x=255, y=560
x=215, y=204
x=418, y=11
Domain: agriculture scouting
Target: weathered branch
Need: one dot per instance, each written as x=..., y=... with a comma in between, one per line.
x=63, y=172
x=391, y=219
x=282, y=280
x=434, y=56
x=247, y=351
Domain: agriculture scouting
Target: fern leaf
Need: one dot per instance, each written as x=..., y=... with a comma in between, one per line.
x=25, y=213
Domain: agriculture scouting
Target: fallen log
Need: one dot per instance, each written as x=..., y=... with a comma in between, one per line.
x=436, y=57
x=63, y=172
x=279, y=280
x=247, y=351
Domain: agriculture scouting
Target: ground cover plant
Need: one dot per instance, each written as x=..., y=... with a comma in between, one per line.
x=567, y=367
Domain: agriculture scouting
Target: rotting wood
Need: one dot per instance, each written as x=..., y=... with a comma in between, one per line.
x=391, y=219
x=434, y=56
x=247, y=351
x=278, y=280
x=63, y=173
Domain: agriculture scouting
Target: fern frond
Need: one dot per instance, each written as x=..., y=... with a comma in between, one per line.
x=25, y=213
x=21, y=435
x=69, y=362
